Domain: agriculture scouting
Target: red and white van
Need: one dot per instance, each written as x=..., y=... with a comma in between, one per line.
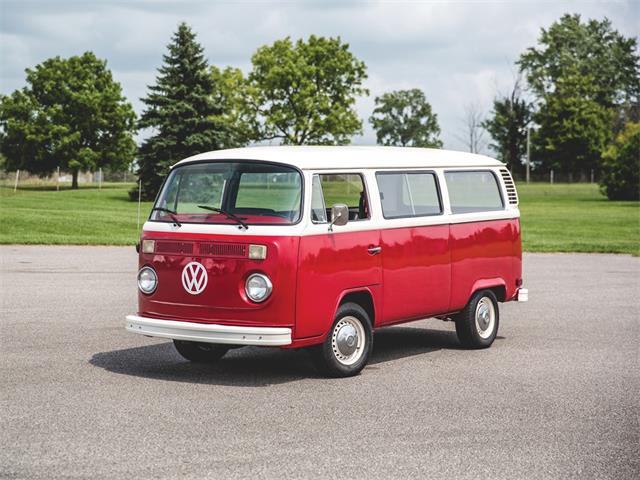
x=318, y=246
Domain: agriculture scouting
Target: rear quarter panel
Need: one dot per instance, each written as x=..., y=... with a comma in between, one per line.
x=483, y=254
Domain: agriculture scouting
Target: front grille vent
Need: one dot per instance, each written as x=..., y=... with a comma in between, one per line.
x=175, y=248
x=512, y=194
x=237, y=250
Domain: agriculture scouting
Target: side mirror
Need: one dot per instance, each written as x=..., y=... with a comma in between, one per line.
x=339, y=215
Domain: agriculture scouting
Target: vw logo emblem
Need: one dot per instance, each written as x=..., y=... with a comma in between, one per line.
x=194, y=278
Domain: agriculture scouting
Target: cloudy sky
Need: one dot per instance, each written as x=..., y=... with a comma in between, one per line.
x=459, y=52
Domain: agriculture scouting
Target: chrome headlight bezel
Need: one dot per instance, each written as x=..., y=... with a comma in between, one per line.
x=144, y=270
x=267, y=286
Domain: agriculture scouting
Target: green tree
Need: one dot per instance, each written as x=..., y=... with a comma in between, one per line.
x=507, y=125
x=304, y=93
x=621, y=165
x=234, y=118
x=573, y=128
x=584, y=75
x=182, y=110
x=405, y=118
x=72, y=115
x=592, y=49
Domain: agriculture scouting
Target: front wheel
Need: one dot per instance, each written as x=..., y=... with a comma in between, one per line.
x=346, y=349
x=477, y=324
x=199, y=352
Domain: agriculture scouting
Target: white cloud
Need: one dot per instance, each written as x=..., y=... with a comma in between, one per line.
x=458, y=52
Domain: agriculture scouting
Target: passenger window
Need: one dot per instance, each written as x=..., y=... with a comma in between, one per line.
x=473, y=191
x=329, y=189
x=408, y=194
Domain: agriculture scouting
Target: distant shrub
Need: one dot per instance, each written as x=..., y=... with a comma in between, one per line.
x=621, y=165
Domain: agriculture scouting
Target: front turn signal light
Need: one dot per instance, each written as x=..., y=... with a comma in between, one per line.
x=148, y=246
x=257, y=252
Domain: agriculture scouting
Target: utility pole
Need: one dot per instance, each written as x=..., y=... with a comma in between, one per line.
x=139, y=200
x=528, y=153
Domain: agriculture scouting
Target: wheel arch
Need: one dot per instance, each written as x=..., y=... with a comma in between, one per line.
x=363, y=297
x=497, y=285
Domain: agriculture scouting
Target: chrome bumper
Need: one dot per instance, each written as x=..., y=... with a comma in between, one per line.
x=522, y=295
x=208, y=333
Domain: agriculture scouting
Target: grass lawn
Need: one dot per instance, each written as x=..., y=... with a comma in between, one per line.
x=87, y=216
x=555, y=218
x=577, y=218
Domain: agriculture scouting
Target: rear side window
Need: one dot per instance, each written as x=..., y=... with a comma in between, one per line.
x=408, y=194
x=475, y=191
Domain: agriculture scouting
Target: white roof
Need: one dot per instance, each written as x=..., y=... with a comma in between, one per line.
x=350, y=157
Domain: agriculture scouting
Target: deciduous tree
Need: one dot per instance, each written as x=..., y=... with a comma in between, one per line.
x=573, y=129
x=507, y=125
x=621, y=165
x=584, y=75
x=71, y=115
x=304, y=93
x=473, y=134
x=405, y=118
x=592, y=49
x=235, y=119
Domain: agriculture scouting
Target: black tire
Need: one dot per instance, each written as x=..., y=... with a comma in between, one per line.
x=327, y=356
x=199, y=352
x=470, y=333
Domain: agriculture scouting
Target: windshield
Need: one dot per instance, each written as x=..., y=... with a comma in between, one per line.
x=216, y=192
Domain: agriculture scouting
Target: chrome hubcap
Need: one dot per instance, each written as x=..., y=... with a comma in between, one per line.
x=485, y=317
x=348, y=340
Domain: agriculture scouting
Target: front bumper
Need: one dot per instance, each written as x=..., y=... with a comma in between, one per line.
x=208, y=333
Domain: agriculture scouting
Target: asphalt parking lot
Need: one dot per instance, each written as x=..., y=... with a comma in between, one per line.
x=557, y=396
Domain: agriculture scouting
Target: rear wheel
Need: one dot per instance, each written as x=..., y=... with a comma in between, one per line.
x=477, y=324
x=346, y=349
x=200, y=352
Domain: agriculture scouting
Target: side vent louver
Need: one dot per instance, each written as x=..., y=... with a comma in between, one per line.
x=512, y=194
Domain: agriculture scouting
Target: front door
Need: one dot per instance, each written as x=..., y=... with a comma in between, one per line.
x=333, y=262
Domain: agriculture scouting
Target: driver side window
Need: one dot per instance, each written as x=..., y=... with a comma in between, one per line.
x=331, y=188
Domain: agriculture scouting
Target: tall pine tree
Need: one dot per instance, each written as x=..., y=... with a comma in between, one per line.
x=181, y=109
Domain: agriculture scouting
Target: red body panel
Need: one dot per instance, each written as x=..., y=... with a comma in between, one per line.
x=416, y=272
x=484, y=254
x=421, y=271
x=330, y=265
x=223, y=300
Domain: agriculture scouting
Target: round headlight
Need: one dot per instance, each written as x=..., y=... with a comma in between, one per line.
x=147, y=280
x=258, y=287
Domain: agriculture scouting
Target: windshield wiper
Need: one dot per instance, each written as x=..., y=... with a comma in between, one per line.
x=171, y=213
x=227, y=214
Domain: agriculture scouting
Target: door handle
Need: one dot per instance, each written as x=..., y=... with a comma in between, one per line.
x=374, y=250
